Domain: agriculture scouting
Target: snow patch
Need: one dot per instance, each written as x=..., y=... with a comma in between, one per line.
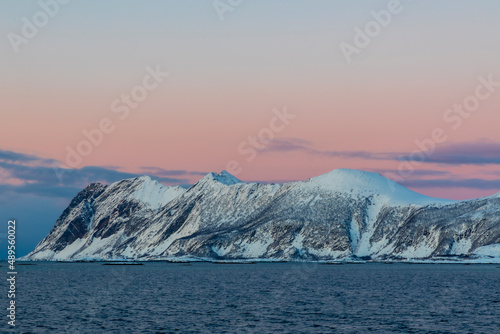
x=419, y=252
x=43, y=255
x=363, y=246
x=461, y=247
x=154, y=193
x=489, y=250
x=328, y=253
x=69, y=250
x=256, y=249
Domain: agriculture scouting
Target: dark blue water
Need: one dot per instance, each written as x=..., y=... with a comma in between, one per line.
x=256, y=298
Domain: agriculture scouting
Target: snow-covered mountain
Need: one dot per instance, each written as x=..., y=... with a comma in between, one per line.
x=342, y=215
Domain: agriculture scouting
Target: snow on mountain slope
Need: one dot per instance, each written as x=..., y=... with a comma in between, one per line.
x=99, y=212
x=144, y=190
x=364, y=184
x=489, y=251
x=345, y=214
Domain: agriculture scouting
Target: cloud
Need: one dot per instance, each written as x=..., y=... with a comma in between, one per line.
x=55, y=176
x=289, y=144
x=91, y=174
x=29, y=174
x=38, y=189
x=297, y=144
x=415, y=173
x=16, y=157
x=466, y=153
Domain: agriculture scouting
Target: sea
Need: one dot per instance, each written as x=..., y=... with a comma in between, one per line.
x=200, y=297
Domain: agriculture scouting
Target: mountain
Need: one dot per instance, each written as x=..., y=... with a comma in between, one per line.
x=342, y=215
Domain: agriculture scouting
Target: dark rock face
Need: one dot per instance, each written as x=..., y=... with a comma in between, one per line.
x=341, y=215
x=74, y=222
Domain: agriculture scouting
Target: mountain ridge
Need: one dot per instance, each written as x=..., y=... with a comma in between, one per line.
x=341, y=215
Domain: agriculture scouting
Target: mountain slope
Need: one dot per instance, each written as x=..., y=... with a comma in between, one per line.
x=344, y=214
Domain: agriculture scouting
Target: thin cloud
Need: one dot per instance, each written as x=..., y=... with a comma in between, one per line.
x=415, y=173
x=297, y=144
x=465, y=153
x=468, y=153
x=16, y=157
x=38, y=189
x=44, y=177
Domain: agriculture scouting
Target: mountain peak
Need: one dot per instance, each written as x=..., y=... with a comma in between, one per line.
x=361, y=183
x=141, y=179
x=223, y=177
x=352, y=177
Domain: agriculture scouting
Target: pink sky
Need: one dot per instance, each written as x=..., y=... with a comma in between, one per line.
x=226, y=78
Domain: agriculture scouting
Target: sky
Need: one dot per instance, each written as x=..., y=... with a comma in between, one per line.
x=271, y=91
